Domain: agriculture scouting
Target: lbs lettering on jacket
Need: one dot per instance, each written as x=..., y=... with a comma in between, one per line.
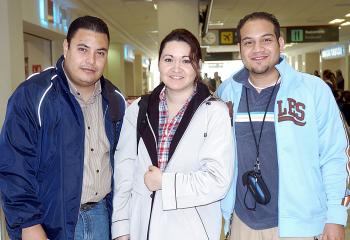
x=42, y=152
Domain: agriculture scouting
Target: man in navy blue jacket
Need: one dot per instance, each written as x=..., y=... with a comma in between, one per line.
x=58, y=141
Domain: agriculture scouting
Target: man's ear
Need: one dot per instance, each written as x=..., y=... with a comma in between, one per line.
x=239, y=47
x=65, y=47
x=281, y=43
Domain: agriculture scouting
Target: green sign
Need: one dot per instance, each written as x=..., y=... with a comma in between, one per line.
x=297, y=35
x=305, y=34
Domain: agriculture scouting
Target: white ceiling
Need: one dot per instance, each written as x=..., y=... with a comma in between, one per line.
x=135, y=21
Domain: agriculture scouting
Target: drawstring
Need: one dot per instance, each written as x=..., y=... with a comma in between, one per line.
x=206, y=120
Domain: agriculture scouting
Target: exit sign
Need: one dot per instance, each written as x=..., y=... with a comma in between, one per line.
x=297, y=35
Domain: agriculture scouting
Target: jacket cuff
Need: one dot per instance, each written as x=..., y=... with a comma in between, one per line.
x=169, y=191
x=120, y=228
x=337, y=214
x=16, y=233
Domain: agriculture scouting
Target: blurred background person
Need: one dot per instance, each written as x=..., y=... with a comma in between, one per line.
x=317, y=73
x=339, y=79
x=329, y=78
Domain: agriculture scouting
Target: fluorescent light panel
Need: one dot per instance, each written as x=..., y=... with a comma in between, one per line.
x=337, y=20
x=218, y=23
x=345, y=23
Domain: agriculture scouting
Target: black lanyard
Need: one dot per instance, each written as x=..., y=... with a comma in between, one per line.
x=257, y=143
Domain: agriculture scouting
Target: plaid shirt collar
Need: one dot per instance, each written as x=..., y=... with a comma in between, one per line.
x=168, y=128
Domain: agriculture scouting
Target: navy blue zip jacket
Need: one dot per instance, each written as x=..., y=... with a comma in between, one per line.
x=42, y=153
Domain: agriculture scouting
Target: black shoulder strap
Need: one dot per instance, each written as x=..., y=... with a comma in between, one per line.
x=143, y=105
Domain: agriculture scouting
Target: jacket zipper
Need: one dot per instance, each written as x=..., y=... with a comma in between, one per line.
x=206, y=130
x=202, y=222
x=154, y=192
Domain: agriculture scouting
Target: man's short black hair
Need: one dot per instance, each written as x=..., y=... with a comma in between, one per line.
x=258, y=15
x=87, y=22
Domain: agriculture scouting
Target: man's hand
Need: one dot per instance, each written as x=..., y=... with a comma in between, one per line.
x=35, y=232
x=153, y=178
x=124, y=237
x=333, y=232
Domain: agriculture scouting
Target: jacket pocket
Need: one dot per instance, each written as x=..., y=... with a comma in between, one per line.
x=187, y=224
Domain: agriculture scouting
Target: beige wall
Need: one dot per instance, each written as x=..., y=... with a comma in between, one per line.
x=129, y=78
x=138, y=75
x=115, y=68
x=38, y=51
x=12, y=51
x=312, y=62
x=332, y=64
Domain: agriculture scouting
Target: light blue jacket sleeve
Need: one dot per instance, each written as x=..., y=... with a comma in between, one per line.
x=333, y=152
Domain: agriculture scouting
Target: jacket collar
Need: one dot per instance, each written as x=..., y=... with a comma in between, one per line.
x=285, y=70
x=153, y=115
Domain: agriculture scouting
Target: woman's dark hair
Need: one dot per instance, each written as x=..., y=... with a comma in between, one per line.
x=183, y=35
x=258, y=15
x=87, y=22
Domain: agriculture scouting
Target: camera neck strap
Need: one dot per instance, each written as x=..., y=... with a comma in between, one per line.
x=257, y=142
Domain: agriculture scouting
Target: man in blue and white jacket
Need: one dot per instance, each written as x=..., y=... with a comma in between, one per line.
x=288, y=129
x=58, y=141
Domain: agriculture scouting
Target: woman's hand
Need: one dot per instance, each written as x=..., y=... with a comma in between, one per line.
x=153, y=178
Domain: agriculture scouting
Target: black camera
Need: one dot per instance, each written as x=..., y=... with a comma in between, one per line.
x=257, y=187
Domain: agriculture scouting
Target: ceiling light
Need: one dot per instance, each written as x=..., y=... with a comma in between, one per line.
x=155, y=6
x=337, y=20
x=345, y=23
x=217, y=23
x=289, y=45
x=347, y=15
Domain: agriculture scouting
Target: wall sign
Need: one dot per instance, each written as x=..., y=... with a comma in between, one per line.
x=336, y=51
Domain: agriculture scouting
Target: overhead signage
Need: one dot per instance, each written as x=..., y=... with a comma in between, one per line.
x=307, y=34
x=336, y=51
x=221, y=56
x=211, y=38
x=227, y=36
x=215, y=37
x=299, y=34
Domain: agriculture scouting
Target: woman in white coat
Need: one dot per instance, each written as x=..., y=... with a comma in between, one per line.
x=168, y=185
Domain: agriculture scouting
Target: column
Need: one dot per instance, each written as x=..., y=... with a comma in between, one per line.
x=129, y=70
x=115, y=66
x=346, y=73
x=312, y=62
x=300, y=63
x=12, y=50
x=138, y=74
x=177, y=14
